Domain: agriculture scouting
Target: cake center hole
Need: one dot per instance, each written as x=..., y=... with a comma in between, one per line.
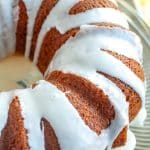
x=16, y=71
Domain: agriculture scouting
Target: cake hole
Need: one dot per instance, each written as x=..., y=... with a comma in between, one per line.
x=16, y=71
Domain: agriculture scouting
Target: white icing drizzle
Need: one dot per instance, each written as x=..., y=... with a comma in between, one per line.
x=5, y=98
x=125, y=42
x=7, y=32
x=52, y=100
x=140, y=118
x=31, y=101
x=1, y=41
x=59, y=15
x=92, y=58
x=32, y=7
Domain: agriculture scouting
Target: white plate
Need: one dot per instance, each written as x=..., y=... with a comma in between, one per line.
x=138, y=25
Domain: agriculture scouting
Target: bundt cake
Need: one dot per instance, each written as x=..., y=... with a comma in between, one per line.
x=92, y=65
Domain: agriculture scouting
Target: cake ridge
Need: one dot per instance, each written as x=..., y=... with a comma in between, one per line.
x=40, y=18
x=6, y=30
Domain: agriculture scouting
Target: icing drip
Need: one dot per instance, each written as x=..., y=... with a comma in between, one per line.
x=5, y=98
x=32, y=9
x=125, y=42
x=1, y=41
x=7, y=28
x=51, y=99
x=140, y=118
x=59, y=15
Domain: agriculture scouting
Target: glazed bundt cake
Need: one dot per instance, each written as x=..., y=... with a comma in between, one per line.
x=92, y=65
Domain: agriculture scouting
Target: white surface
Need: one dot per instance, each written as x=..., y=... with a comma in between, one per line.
x=7, y=28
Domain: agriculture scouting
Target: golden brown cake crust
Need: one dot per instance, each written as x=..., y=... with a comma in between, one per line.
x=85, y=5
x=14, y=135
x=21, y=28
x=51, y=141
x=121, y=139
